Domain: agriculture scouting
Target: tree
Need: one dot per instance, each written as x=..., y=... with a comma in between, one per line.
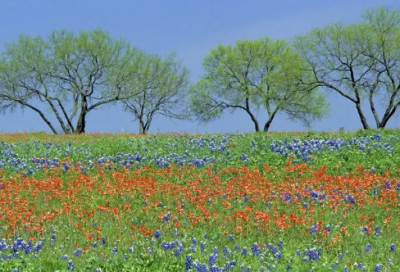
x=88, y=70
x=359, y=61
x=160, y=87
x=254, y=75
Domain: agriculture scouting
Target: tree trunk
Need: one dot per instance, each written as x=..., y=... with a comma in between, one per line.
x=41, y=115
x=361, y=115
x=253, y=118
x=81, y=125
x=141, y=128
x=386, y=118
x=268, y=123
x=60, y=120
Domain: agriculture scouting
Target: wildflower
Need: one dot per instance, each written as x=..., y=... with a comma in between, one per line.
x=78, y=252
x=188, y=262
x=157, y=234
x=212, y=259
x=202, y=246
x=314, y=229
x=71, y=265
x=378, y=267
x=227, y=252
x=178, y=251
x=244, y=251
x=368, y=248
x=65, y=257
x=392, y=247
x=255, y=249
x=378, y=231
x=167, y=217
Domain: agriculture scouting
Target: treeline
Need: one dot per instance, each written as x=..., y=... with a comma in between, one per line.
x=74, y=74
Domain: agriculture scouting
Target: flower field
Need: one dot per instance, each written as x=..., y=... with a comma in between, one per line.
x=228, y=202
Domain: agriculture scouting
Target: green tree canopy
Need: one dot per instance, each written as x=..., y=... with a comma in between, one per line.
x=358, y=61
x=160, y=86
x=254, y=75
x=72, y=74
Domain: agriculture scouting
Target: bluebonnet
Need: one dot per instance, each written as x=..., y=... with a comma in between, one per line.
x=179, y=251
x=167, y=217
x=288, y=197
x=378, y=231
x=78, y=252
x=71, y=265
x=230, y=265
x=212, y=259
x=244, y=157
x=188, y=262
x=256, y=249
x=202, y=246
x=392, y=247
x=227, y=252
x=166, y=245
x=313, y=254
x=314, y=229
x=378, y=267
x=65, y=257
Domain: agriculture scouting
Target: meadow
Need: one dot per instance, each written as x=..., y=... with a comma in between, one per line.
x=216, y=202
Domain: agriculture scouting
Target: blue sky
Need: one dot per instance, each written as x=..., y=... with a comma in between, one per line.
x=191, y=29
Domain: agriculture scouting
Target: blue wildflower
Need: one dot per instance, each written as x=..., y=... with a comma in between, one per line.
x=378, y=267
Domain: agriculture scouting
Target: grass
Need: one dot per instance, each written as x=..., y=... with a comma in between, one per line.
x=223, y=202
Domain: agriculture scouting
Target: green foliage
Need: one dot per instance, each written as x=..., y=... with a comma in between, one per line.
x=158, y=86
x=71, y=74
x=253, y=75
x=358, y=61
